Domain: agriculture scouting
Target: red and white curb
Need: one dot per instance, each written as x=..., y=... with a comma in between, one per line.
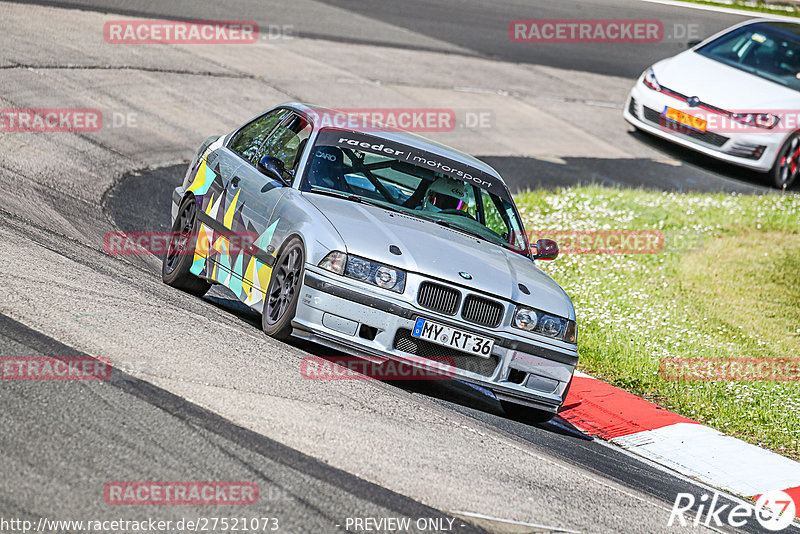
x=673, y=441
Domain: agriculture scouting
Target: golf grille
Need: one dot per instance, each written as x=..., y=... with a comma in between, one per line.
x=705, y=137
x=418, y=347
x=482, y=311
x=438, y=298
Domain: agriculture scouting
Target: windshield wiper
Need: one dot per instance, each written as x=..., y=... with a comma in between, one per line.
x=383, y=205
x=460, y=228
x=355, y=198
x=362, y=200
x=337, y=194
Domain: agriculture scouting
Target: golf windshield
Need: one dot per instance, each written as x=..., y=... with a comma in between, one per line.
x=770, y=50
x=424, y=184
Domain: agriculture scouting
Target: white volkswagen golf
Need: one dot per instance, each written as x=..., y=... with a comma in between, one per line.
x=734, y=96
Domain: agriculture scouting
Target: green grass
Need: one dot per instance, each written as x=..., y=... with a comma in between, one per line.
x=773, y=9
x=727, y=284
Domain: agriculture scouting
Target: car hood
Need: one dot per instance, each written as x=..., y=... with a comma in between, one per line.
x=438, y=252
x=723, y=86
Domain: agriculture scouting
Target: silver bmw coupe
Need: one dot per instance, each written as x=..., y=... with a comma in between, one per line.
x=381, y=244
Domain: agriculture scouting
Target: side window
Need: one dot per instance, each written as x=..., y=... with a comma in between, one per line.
x=248, y=140
x=288, y=142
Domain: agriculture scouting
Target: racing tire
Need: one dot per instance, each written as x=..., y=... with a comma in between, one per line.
x=180, y=254
x=526, y=414
x=283, y=292
x=786, y=169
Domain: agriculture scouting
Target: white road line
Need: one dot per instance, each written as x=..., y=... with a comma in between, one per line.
x=681, y=476
x=728, y=10
x=512, y=522
x=707, y=454
x=582, y=375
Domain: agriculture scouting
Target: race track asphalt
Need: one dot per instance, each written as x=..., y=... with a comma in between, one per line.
x=199, y=393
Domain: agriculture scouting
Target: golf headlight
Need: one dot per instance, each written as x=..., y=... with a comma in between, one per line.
x=759, y=120
x=365, y=270
x=545, y=324
x=650, y=80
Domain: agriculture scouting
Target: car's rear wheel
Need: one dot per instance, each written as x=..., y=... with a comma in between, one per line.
x=786, y=169
x=283, y=291
x=525, y=414
x=180, y=254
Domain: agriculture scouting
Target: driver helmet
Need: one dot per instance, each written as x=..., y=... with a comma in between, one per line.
x=446, y=194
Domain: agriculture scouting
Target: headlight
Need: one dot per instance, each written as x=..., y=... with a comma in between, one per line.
x=365, y=270
x=387, y=277
x=526, y=319
x=650, y=80
x=759, y=120
x=545, y=324
x=358, y=268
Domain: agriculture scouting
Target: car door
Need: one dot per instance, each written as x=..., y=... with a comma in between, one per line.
x=225, y=231
x=262, y=193
x=252, y=200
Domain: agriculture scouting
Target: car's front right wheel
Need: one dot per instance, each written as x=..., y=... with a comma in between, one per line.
x=283, y=291
x=787, y=165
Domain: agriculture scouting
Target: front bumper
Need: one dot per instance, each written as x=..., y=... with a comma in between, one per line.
x=177, y=198
x=351, y=316
x=644, y=106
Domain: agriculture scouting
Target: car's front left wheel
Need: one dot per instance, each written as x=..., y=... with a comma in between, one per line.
x=180, y=254
x=283, y=291
x=786, y=169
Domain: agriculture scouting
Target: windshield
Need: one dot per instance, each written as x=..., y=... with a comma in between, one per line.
x=768, y=50
x=398, y=177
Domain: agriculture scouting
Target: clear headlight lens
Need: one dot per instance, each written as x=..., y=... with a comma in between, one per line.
x=650, y=80
x=386, y=277
x=545, y=324
x=525, y=319
x=358, y=268
x=365, y=270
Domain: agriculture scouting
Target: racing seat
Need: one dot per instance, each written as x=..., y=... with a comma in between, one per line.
x=327, y=168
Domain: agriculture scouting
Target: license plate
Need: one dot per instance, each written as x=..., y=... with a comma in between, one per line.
x=453, y=338
x=684, y=119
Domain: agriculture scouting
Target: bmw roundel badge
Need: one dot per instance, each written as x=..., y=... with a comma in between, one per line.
x=465, y=276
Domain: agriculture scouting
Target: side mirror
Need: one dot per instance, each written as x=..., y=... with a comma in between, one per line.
x=545, y=249
x=272, y=167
